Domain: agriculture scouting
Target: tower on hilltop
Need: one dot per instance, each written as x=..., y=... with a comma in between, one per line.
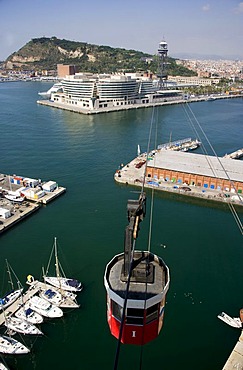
x=162, y=56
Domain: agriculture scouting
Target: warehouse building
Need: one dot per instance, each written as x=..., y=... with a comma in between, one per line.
x=209, y=172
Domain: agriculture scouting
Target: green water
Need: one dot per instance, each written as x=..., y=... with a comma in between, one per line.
x=203, y=245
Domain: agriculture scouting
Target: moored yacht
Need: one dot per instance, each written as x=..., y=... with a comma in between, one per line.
x=59, y=297
x=9, y=298
x=44, y=308
x=72, y=285
x=26, y=313
x=21, y=326
x=9, y=345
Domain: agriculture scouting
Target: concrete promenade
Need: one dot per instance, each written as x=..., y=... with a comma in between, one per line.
x=166, y=101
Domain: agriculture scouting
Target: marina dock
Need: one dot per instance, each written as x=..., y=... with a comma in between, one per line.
x=34, y=288
x=34, y=192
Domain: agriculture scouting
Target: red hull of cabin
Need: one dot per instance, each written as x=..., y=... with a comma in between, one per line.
x=135, y=334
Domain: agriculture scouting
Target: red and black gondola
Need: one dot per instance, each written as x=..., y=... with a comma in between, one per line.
x=136, y=283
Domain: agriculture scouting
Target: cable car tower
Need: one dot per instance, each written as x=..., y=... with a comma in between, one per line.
x=162, y=61
x=136, y=283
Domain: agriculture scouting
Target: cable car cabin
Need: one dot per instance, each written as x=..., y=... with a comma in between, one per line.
x=145, y=298
x=136, y=283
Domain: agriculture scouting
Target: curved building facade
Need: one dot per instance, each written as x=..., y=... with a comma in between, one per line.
x=94, y=92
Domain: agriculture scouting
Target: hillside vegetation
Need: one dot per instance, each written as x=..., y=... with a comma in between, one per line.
x=45, y=53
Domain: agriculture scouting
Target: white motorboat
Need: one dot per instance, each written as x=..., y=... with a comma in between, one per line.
x=15, y=198
x=9, y=298
x=9, y=345
x=235, y=322
x=21, y=326
x=62, y=282
x=44, y=308
x=26, y=313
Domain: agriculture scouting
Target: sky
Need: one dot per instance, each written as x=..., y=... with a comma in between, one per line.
x=190, y=27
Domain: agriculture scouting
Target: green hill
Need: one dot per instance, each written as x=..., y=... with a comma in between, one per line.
x=45, y=53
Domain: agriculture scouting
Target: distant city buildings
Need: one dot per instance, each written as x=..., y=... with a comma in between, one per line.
x=228, y=69
x=194, y=81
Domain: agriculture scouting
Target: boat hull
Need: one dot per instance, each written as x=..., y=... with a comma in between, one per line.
x=44, y=307
x=9, y=298
x=29, y=315
x=9, y=345
x=21, y=326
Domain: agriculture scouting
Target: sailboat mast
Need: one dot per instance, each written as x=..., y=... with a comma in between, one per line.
x=57, y=268
x=56, y=259
x=10, y=276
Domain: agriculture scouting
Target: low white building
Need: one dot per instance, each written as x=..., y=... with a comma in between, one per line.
x=5, y=213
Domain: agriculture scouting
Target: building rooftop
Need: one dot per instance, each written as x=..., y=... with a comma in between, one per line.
x=198, y=164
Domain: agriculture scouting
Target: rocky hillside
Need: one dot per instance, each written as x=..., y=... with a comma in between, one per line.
x=46, y=53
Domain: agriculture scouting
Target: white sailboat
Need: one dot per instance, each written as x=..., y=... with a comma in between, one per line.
x=60, y=298
x=59, y=281
x=10, y=297
x=29, y=315
x=9, y=345
x=44, y=308
x=21, y=326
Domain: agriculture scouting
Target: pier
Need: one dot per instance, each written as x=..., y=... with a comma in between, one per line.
x=133, y=174
x=35, y=194
x=235, y=360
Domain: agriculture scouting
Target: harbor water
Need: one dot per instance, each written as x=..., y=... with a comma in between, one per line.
x=199, y=241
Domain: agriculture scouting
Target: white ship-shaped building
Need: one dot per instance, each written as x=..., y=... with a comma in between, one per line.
x=94, y=92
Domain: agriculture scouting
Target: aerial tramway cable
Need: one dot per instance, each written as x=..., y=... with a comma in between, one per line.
x=133, y=262
x=151, y=216
x=230, y=205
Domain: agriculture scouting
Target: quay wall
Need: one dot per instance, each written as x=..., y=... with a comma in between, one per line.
x=165, y=101
x=130, y=174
